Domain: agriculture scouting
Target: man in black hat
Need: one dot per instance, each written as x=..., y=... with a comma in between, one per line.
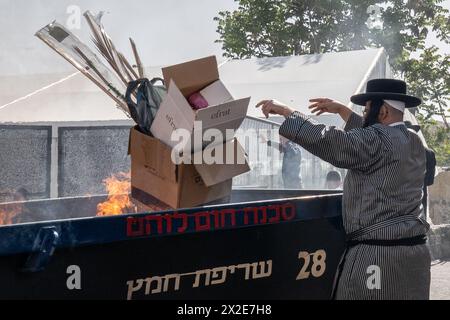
x=382, y=198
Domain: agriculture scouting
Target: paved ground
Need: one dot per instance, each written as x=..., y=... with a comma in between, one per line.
x=440, y=280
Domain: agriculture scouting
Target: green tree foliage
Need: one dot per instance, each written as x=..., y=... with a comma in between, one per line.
x=438, y=138
x=429, y=78
x=263, y=28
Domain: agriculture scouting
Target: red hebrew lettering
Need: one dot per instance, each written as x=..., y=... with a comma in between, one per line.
x=264, y=214
x=168, y=218
x=148, y=226
x=184, y=223
x=231, y=212
x=249, y=211
x=131, y=222
x=198, y=225
x=289, y=211
x=276, y=218
x=216, y=215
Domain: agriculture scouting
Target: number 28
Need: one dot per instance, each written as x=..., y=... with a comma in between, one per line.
x=318, y=264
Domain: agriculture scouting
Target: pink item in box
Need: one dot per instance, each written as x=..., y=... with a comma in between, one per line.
x=197, y=101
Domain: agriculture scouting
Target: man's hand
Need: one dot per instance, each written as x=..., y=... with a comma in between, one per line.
x=322, y=105
x=274, y=107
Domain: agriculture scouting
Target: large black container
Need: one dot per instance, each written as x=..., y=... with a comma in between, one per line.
x=285, y=248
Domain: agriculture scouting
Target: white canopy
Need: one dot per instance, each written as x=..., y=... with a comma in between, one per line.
x=293, y=80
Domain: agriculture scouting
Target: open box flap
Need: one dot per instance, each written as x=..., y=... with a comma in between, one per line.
x=216, y=173
x=165, y=122
x=227, y=113
x=192, y=76
x=216, y=93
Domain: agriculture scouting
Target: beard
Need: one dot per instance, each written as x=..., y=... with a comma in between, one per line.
x=370, y=121
x=372, y=116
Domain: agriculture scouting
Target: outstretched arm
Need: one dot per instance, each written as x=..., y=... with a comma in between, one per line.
x=322, y=105
x=354, y=121
x=356, y=149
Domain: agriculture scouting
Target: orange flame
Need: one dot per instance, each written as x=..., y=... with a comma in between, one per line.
x=9, y=212
x=118, y=202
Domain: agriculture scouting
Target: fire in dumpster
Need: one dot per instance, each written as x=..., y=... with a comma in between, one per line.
x=118, y=187
x=9, y=212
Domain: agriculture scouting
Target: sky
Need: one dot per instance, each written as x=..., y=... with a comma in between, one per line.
x=166, y=32
x=444, y=48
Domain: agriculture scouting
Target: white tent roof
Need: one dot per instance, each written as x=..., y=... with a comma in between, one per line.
x=73, y=99
x=293, y=80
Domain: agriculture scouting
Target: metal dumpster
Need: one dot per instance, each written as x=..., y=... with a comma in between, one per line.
x=249, y=248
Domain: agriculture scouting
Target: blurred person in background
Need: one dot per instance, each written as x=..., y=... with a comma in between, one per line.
x=292, y=158
x=333, y=180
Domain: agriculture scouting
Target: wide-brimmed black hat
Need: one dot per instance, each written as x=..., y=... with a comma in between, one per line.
x=386, y=89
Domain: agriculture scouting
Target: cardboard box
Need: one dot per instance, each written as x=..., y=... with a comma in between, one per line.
x=216, y=93
x=154, y=175
x=176, y=113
